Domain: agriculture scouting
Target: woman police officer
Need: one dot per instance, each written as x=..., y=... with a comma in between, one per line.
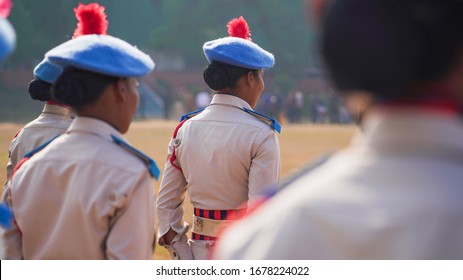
x=224, y=155
x=88, y=194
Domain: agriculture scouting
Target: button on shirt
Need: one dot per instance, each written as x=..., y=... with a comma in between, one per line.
x=226, y=156
x=53, y=121
x=82, y=197
x=396, y=193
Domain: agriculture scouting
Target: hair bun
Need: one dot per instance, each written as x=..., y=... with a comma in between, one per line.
x=40, y=90
x=67, y=90
x=215, y=76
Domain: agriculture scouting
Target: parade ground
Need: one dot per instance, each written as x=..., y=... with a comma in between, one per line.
x=300, y=144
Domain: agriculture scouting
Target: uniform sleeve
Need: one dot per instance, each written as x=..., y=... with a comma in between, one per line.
x=264, y=173
x=11, y=237
x=132, y=230
x=171, y=197
x=13, y=158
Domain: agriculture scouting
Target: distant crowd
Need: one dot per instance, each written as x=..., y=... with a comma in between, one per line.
x=293, y=107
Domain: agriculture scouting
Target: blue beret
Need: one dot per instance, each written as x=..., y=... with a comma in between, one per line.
x=102, y=54
x=47, y=71
x=7, y=38
x=239, y=52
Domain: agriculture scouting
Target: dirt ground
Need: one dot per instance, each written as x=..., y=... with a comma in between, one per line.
x=299, y=144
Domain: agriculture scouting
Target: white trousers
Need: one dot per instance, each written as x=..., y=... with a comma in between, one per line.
x=201, y=249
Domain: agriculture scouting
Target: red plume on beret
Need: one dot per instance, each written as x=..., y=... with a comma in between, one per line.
x=238, y=27
x=5, y=8
x=92, y=20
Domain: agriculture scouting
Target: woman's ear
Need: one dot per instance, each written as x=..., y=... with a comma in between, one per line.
x=251, y=79
x=120, y=87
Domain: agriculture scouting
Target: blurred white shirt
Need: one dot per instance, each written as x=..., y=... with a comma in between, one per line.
x=395, y=193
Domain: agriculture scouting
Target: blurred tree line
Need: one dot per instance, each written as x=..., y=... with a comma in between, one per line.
x=174, y=28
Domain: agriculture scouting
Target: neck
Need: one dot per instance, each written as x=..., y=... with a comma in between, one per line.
x=101, y=119
x=50, y=102
x=102, y=114
x=239, y=94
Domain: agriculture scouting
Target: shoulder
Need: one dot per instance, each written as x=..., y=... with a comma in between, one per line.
x=148, y=162
x=31, y=153
x=265, y=121
x=49, y=121
x=17, y=133
x=15, y=141
x=87, y=151
x=184, y=118
x=190, y=115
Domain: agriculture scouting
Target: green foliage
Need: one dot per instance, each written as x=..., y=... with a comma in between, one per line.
x=276, y=25
x=40, y=25
x=172, y=28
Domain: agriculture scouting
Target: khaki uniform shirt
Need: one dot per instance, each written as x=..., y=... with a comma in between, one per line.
x=53, y=121
x=396, y=193
x=226, y=155
x=82, y=197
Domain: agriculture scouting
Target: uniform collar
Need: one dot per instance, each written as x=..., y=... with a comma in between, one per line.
x=222, y=98
x=58, y=110
x=94, y=126
x=408, y=130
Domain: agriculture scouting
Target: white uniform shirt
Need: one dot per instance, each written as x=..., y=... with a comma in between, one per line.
x=53, y=121
x=82, y=197
x=396, y=193
x=227, y=157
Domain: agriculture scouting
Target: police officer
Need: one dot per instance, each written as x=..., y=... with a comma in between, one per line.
x=224, y=155
x=88, y=194
x=53, y=121
x=395, y=193
x=55, y=117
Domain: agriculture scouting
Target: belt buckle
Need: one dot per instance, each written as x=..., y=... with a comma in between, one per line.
x=198, y=223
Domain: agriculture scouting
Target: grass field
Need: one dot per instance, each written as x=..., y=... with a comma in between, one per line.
x=299, y=145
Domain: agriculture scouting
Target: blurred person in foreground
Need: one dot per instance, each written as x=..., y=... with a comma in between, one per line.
x=87, y=194
x=224, y=155
x=396, y=192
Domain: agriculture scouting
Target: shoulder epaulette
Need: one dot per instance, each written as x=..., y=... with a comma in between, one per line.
x=149, y=162
x=39, y=148
x=191, y=114
x=28, y=155
x=270, y=121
